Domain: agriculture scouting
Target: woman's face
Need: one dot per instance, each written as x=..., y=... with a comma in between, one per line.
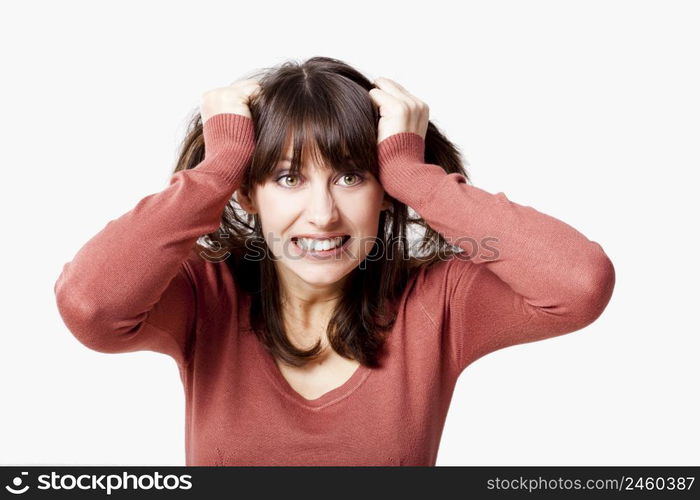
x=315, y=203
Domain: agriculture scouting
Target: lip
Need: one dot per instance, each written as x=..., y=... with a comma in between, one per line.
x=321, y=254
x=318, y=235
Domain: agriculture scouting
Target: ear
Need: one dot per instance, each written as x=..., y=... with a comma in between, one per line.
x=244, y=200
x=386, y=204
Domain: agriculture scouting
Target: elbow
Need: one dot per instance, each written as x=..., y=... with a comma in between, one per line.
x=586, y=297
x=83, y=320
x=596, y=291
x=78, y=315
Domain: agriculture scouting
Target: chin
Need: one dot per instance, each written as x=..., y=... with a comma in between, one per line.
x=324, y=275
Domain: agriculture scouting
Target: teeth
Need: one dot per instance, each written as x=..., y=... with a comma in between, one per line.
x=318, y=245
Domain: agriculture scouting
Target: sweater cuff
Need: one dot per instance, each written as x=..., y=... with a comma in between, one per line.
x=402, y=169
x=229, y=143
x=405, y=147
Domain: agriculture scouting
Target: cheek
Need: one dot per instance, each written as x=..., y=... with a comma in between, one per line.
x=275, y=216
x=364, y=218
x=273, y=202
x=365, y=210
x=275, y=206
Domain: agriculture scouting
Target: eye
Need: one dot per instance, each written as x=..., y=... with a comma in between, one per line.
x=353, y=175
x=290, y=180
x=288, y=176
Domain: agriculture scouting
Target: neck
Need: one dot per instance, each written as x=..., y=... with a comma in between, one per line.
x=307, y=309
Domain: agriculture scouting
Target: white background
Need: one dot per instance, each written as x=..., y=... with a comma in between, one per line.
x=587, y=111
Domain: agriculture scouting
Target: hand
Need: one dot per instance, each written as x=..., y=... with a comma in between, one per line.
x=231, y=99
x=399, y=111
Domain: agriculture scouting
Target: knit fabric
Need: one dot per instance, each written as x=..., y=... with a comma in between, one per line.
x=138, y=285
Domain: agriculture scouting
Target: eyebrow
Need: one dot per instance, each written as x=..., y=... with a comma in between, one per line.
x=286, y=158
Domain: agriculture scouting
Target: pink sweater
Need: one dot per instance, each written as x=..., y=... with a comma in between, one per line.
x=138, y=284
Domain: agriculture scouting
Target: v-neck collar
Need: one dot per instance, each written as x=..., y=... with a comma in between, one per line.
x=328, y=398
x=283, y=386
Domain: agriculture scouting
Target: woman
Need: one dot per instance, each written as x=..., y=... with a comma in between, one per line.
x=305, y=329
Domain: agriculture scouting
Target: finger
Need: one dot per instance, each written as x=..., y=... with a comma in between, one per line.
x=382, y=98
x=395, y=89
x=254, y=90
x=395, y=84
x=247, y=87
x=251, y=90
x=390, y=87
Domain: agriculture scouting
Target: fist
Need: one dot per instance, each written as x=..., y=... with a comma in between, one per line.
x=232, y=99
x=399, y=110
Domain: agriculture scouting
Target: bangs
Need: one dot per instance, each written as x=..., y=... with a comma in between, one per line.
x=332, y=126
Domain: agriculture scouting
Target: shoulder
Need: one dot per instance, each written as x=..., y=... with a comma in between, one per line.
x=435, y=282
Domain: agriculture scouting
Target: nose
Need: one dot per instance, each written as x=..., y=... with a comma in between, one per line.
x=322, y=207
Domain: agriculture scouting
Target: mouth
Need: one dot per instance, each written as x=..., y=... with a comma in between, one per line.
x=311, y=251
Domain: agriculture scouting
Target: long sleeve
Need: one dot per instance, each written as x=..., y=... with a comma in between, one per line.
x=530, y=276
x=129, y=288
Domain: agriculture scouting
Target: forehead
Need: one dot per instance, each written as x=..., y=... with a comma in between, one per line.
x=310, y=154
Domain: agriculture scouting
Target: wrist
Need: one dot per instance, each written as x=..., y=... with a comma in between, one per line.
x=400, y=156
x=404, y=147
x=225, y=131
x=229, y=143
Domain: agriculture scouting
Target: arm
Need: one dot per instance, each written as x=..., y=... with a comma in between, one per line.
x=544, y=279
x=129, y=288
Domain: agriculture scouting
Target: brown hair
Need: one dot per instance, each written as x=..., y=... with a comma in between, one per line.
x=327, y=101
